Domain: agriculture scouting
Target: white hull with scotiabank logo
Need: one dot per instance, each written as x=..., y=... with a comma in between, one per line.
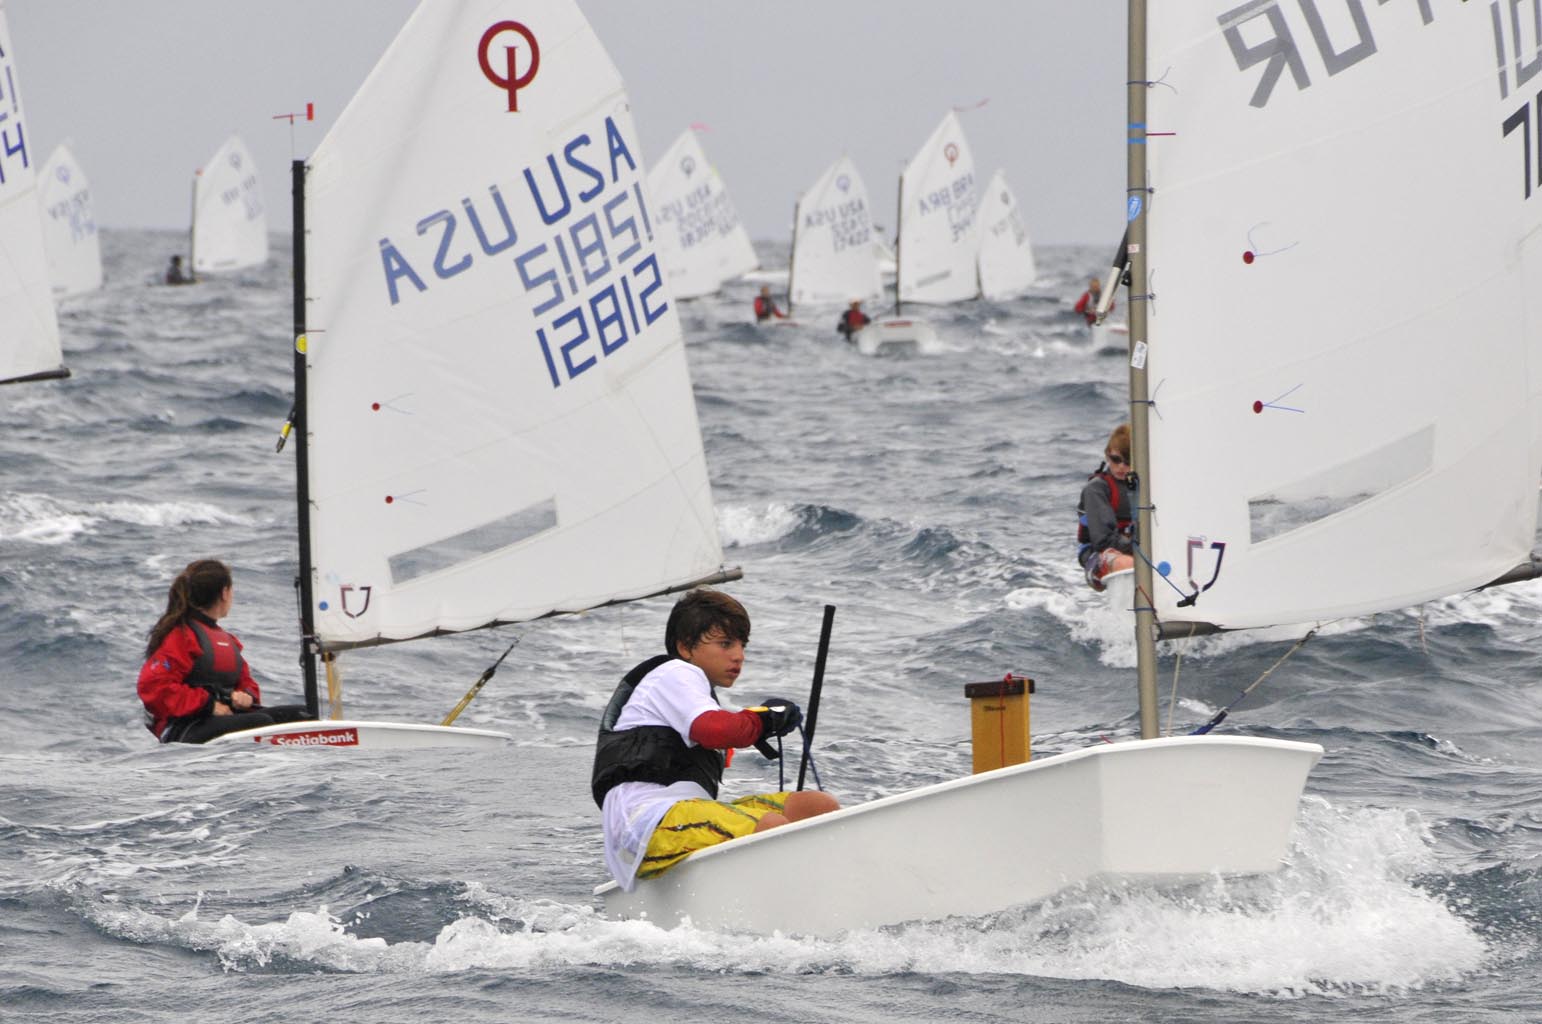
x=1165, y=810
x=347, y=734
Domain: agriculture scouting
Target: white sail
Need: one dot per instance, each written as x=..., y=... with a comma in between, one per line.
x=1007, y=267
x=230, y=226
x=833, y=258
x=29, y=328
x=1343, y=346
x=501, y=421
x=69, y=225
x=937, y=219
x=702, y=242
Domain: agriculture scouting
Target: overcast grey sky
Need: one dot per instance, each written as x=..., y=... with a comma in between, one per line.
x=146, y=90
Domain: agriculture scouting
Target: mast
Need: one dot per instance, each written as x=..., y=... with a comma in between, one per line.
x=302, y=446
x=192, y=230
x=899, y=230
x=1140, y=449
x=792, y=254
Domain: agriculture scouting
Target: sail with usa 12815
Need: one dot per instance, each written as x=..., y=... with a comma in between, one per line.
x=494, y=415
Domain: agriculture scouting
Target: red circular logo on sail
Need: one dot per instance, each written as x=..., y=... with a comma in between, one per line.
x=510, y=80
x=951, y=152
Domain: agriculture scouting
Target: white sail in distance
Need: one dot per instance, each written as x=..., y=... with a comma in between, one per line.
x=938, y=196
x=69, y=225
x=1343, y=346
x=500, y=411
x=230, y=225
x=1005, y=254
x=833, y=258
x=29, y=327
x=702, y=241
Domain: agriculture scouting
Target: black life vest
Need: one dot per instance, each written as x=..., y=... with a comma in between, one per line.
x=1083, y=536
x=648, y=753
x=219, y=665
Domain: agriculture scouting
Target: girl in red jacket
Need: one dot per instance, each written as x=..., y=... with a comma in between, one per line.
x=195, y=684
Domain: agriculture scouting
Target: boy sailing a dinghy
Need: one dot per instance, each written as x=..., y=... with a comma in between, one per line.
x=660, y=754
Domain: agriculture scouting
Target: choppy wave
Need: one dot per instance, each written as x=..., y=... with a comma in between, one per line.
x=929, y=497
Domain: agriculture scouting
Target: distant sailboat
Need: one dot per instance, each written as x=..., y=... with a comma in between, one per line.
x=702, y=242
x=230, y=225
x=69, y=226
x=29, y=327
x=936, y=254
x=833, y=259
x=494, y=419
x=1005, y=255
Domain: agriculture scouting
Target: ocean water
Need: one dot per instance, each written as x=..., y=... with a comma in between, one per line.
x=930, y=498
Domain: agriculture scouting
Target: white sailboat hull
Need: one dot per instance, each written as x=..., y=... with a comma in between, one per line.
x=1161, y=810
x=1111, y=334
x=348, y=734
x=896, y=334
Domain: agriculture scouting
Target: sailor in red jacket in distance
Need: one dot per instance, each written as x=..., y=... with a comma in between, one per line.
x=195, y=684
x=765, y=306
x=852, y=321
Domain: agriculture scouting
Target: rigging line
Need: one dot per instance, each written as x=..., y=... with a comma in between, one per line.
x=781, y=765
x=1172, y=700
x=1142, y=553
x=1148, y=83
x=1220, y=715
x=809, y=756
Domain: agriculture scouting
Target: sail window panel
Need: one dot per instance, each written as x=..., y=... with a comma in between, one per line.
x=1341, y=487
x=474, y=543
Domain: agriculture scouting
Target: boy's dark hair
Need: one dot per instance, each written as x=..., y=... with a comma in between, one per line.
x=698, y=612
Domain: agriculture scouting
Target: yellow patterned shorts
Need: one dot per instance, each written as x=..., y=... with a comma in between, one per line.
x=692, y=825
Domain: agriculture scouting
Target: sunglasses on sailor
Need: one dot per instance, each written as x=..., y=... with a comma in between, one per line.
x=1115, y=459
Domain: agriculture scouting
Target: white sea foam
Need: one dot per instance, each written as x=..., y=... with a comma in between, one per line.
x=740, y=525
x=44, y=519
x=1347, y=915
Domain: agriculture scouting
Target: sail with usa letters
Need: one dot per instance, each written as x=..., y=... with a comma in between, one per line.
x=702, y=241
x=549, y=460
x=832, y=257
x=29, y=325
x=69, y=226
x=230, y=224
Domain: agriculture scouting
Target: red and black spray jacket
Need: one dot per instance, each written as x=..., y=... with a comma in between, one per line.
x=765, y=309
x=852, y=321
x=197, y=664
x=1103, y=522
x=656, y=753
